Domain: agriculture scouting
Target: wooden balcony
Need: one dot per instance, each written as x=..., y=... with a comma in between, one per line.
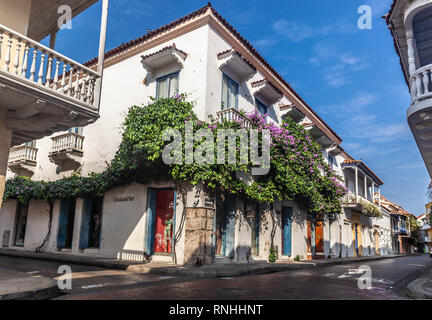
x=22, y=160
x=67, y=151
x=44, y=91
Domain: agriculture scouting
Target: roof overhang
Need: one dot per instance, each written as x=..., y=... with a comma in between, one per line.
x=264, y=89
x=317, y=135
x=363, y=167
x=293, y=112
x=335, y=150
x=44, y=15
x=167, y=56
x=233, y=61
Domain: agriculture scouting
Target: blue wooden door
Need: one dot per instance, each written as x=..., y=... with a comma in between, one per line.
x=63, y=223
x=151, y=220
x=287, y=230
x=230, y=226
x=85, y=223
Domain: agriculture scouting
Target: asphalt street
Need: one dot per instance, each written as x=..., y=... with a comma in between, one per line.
x=389, y=280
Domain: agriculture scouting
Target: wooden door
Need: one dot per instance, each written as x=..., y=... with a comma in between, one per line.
x=376, y=240
x=286, y=230
x=164, y=221
x=319, y=237
x=229, y=235
x=360, y=239
x=354, y=241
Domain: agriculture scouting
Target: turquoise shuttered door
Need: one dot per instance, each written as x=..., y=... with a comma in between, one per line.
x=63, y=221
x=151, y=220
x=230, y=226
x=85, y=224
x=287, y=230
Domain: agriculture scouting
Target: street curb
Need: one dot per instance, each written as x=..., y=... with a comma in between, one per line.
x=80, y=260
x=416, y=289
x=247, y=269
x=40, y=294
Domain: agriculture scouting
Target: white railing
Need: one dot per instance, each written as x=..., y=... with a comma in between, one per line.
x=33, y=62
x=352, y=198
x=22, y=153
x=233, y=115
x=421, y=84
x=67, y=141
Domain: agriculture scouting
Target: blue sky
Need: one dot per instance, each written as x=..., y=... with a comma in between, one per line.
x=351, y=77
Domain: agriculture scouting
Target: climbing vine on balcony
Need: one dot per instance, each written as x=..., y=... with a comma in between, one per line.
x=298, y=170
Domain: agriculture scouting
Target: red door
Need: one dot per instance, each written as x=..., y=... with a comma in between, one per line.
x=164, y=221
x=319, y=237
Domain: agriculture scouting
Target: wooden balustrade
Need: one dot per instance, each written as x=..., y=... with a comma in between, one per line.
x=233, y=115
x=421, y=84
x=22, y=153
x=67, y=141
x=31, y=61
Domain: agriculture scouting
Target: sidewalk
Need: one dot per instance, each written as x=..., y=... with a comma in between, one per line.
x=20, y=286
x=421, y=288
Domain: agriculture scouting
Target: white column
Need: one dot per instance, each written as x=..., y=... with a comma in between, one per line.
x=5, y=144
x=365, y=186
x=411, y=54
x=101, y=59
x=356, y=183
x=379, y=195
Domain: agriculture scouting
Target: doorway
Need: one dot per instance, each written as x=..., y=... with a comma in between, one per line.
x=252, y=213
x=20, y=224
x=66, y=223
x=91, y=223
x=376, y=242
x=224, y=228
x=315, y=238
x=287, y=215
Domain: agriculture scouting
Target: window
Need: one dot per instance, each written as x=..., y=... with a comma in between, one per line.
x=31, y=143
x=167, y=86
x=77, y=130
x=20, y=225
x=332, y=161
x=229, y=93
x=262, y=108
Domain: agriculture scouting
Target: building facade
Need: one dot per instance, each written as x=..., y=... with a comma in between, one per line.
x=203, y=56
x=410, y=23
x=426, y=230
x=42, y=91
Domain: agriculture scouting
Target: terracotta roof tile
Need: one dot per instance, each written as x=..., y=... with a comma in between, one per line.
x=241, y=56
x=173, y=46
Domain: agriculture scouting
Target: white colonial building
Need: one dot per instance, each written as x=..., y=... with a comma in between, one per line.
x=203, y=56
x=410, y=23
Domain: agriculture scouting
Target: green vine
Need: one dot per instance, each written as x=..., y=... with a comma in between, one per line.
x=298, y=170
x=370, y=209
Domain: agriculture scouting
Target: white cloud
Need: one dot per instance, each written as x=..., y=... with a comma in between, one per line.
x=337, y=65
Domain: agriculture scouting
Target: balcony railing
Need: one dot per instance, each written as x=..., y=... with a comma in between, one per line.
x=351, y=198
x=26, y=60
x=68, y=141
x=421, y=84
x=233, y=115
x=22, y=153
